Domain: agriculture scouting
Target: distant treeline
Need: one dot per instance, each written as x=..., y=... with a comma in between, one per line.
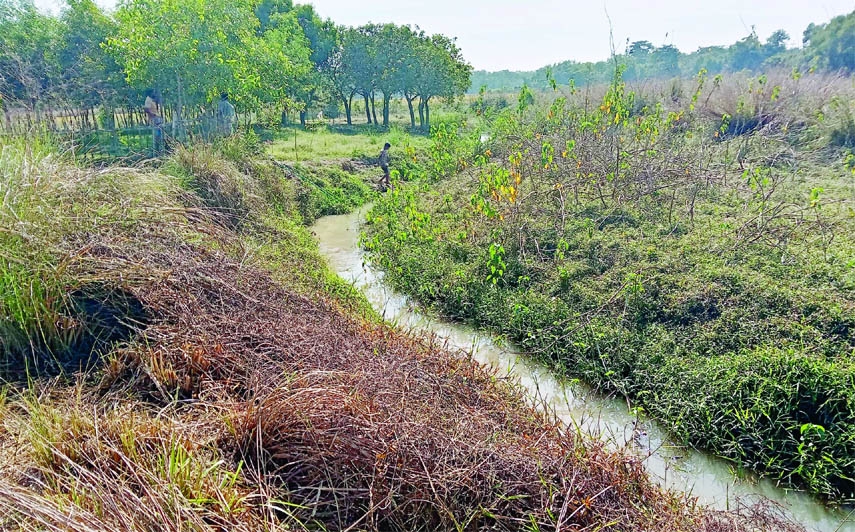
x=272, y=58
x=828, y=46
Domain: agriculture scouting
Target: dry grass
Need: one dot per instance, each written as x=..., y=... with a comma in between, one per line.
x=242, y=405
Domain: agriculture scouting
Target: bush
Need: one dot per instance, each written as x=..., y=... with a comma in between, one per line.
x=842, y=135
x=328, y=190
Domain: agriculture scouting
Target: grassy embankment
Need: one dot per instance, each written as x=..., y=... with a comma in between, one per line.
x=690, y=249
x=232, y=382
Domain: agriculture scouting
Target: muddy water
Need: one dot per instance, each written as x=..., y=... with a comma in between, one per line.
x=707, y=478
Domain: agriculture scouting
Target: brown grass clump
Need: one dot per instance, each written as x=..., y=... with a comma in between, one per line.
x=242, y=405
x=360, y=424
x=357, y=425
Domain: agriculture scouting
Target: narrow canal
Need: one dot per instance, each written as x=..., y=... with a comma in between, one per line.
x=675, y=467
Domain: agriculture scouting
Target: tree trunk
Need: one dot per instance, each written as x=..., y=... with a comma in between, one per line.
x=348, y=102
x=421, y=114
x=386, y=102
x=177, y=118
x=412, y=113
x=373, y=109
x=427, y=114
x=367, y=108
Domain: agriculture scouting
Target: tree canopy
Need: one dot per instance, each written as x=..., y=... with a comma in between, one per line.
x=265, y=54
x=396, y=60
x=829, y=46
x=832, y=45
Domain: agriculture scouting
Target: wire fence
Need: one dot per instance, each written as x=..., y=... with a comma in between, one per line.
x=97, y=135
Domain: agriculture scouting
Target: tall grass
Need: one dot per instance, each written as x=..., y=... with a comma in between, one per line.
x=51, y=211
x=33, y=311
x=117, y=467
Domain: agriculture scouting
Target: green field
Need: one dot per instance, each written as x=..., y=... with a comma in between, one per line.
x=341, y=142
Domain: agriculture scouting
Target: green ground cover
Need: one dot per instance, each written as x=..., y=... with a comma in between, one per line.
x=322, y=142
x=658, y=248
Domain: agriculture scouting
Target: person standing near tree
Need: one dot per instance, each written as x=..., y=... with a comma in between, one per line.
x=154, y=114
x=383, y=160
x=226, y=116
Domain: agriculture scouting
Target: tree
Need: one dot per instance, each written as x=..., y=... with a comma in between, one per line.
x=179, y=46
x=194, y=49
x=640, y=48
x=339, y=72
x=666, y=60
x=444, y=74
x=712, y=58
x=273, y=68
x=391, y=44
x=368, y=66
x=90, y=76
x=29, y=67
x=777, y=43
x=746, y=53
x=361, y=66
x=411, y=69
x=286, y=22
x=392, y=60
x=832, y=45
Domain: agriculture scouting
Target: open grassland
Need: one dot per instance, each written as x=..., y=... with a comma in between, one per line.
x=176, y=356
x=689, y=247
x=322, y=142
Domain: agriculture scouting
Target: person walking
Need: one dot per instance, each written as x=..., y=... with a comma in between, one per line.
x=383, y=160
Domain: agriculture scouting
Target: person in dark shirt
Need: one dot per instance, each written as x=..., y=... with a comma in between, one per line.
x=383, y=160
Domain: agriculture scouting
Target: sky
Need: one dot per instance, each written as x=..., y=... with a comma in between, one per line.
x=526, y=35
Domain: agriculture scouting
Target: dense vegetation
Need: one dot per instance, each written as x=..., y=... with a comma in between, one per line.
x=87, y=69
x=825, y=47
x=233, y=383
x=689, y=248
x=175, y=355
